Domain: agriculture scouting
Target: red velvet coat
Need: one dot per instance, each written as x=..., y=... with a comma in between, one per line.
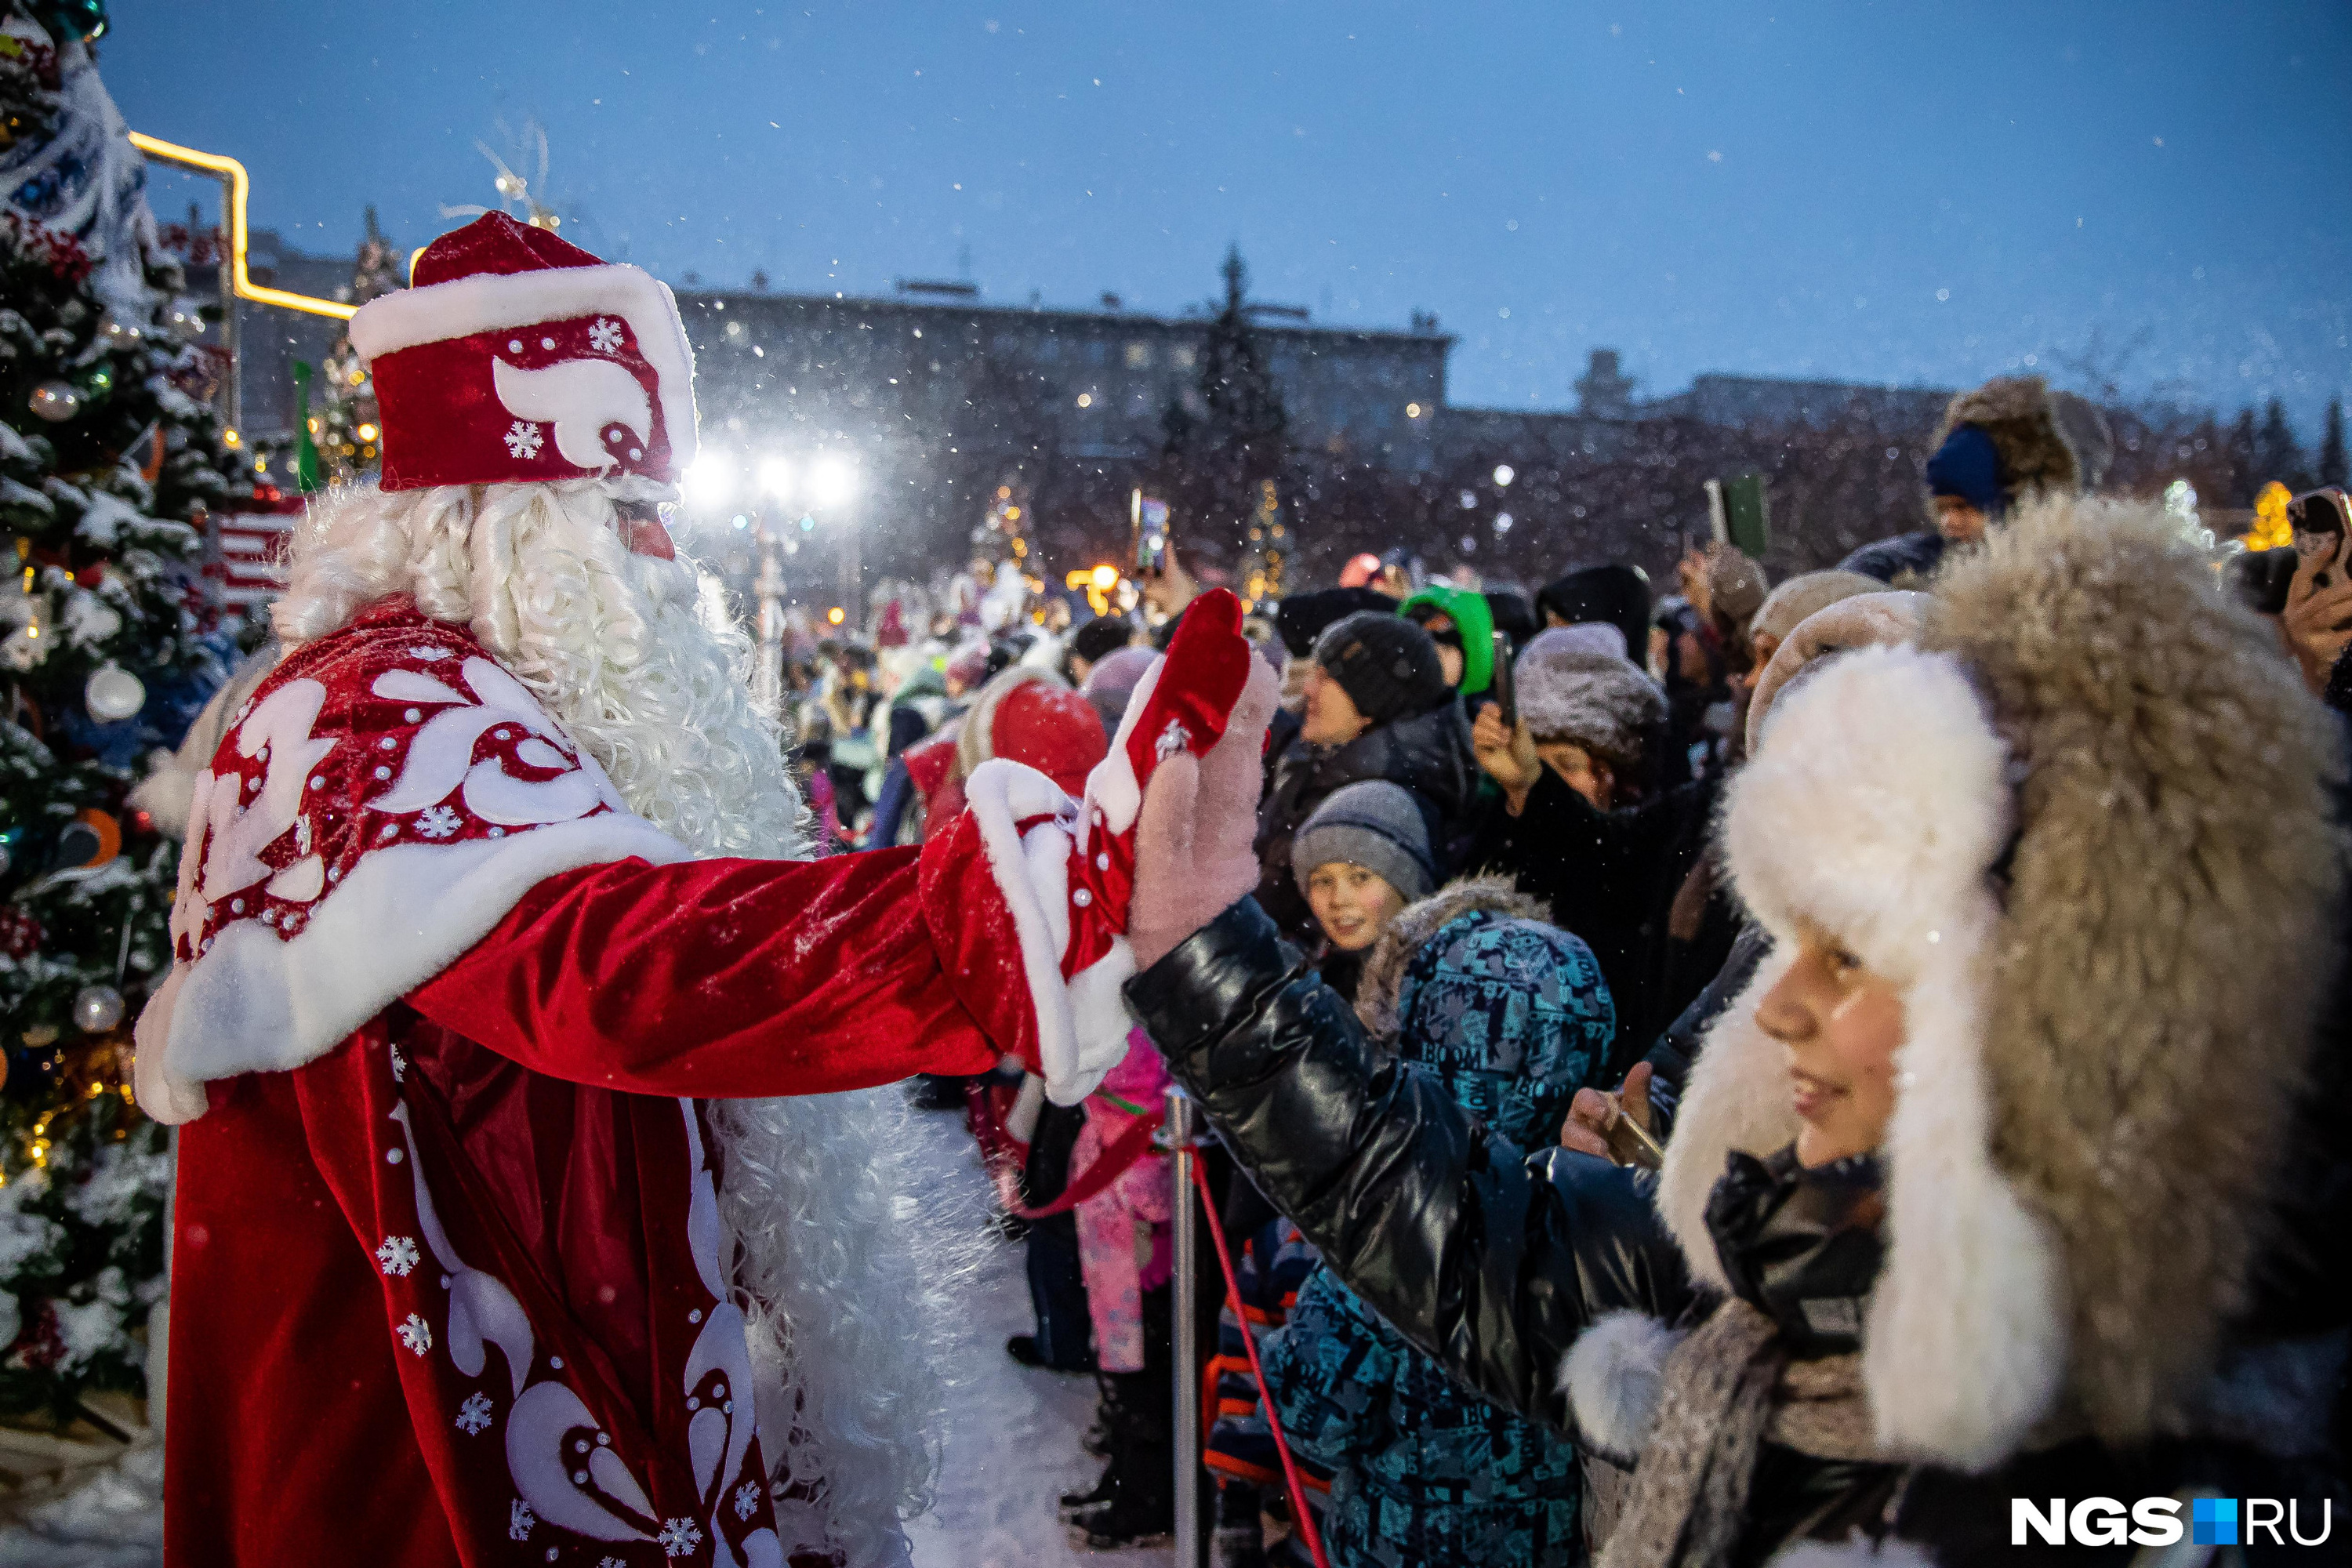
x=450, y=1282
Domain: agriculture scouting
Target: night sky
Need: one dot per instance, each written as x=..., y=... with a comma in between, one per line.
x=1928, y=193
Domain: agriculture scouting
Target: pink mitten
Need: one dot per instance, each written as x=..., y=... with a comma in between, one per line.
x=1193, y=854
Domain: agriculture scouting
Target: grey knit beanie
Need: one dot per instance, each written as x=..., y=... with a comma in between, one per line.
x=1605, y=705
x=1374, y=824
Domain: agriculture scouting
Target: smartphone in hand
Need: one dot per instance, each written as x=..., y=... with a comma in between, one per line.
x=1505, y=686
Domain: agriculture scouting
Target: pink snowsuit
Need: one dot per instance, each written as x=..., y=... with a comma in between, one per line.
x=1124, y=1230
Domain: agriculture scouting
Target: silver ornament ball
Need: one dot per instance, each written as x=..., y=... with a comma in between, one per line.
x=113, y=693
x=97, y=1009
x=54, y=401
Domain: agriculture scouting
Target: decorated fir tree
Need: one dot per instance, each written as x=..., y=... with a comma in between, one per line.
x=342, y=415
x=110, y=459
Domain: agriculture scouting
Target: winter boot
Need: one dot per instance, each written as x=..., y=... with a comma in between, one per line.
x=1141, y=1509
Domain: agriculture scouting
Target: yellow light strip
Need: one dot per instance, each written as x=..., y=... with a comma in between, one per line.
x=238, y=183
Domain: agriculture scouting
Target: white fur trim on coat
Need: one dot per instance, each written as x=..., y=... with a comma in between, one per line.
x=1112, y=787
x=257, y=1002
x=1613, y=1376
x=493, y=301
x=1874, y=812
x=1082, y=1024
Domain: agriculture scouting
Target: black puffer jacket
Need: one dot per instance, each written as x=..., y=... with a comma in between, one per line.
x=1429, y=755
x=1495, y=1261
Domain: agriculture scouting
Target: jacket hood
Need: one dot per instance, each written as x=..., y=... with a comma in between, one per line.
x=2017, y=413
x=1508, y=1013
x=2050, y=826
x=1475, y=619
x=1376, y=993
x=1611, y=592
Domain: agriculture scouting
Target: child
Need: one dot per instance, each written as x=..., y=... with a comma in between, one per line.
x=1510, y=1016
x=1361, y=858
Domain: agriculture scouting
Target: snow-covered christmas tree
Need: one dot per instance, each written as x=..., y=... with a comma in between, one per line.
x=109, y=458
x=343, y=407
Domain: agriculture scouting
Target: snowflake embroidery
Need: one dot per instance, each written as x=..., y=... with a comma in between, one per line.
x=1172, y=740
x=747, y=1500
x=399, y=1065
x=416, y=1334
x=523, y=439
x=474, y=1415
x=679, y=1537
x=429, y=654
x=437, y=822
x=398, y=1254
x=612, y=1563
x=604, y=337
x=520, y=1521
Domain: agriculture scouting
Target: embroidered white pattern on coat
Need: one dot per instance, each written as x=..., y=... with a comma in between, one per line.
x=679, y=1537
x=474, y=1415
x=398, y=1254
x=415, y=1334
x=523, y=439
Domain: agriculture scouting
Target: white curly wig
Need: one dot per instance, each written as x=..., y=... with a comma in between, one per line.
x=637, y=658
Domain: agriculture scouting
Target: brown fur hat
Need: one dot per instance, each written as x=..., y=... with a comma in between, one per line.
x=2084, y=826
x=1383, y=976
x=2016, y=413
x=2153, y=990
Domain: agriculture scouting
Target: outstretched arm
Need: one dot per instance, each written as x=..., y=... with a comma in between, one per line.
x=719, y=978
x=1490, y=1259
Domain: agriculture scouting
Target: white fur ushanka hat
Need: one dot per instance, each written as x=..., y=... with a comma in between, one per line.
x=2084, y=826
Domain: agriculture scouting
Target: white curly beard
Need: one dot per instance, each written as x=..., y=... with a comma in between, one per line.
x=636, y=657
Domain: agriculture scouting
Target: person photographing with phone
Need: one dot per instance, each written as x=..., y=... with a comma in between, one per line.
x=2315, y=617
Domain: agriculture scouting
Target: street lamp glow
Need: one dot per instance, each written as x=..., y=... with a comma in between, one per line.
x=709, y=481
x=831, y=482
x=775, y=478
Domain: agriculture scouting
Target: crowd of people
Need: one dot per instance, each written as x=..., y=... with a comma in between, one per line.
x=2012, y=842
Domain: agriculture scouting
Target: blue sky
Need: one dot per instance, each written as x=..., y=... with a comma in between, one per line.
x=1915, y=192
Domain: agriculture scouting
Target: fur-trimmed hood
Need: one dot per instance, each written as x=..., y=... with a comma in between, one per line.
x=2017, y=415
x=1383, y=977
x=2084, y=826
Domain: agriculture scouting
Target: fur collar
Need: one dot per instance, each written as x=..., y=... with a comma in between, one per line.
x=1383, y=976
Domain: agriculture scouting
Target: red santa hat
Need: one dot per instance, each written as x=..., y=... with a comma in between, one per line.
x=519, y=358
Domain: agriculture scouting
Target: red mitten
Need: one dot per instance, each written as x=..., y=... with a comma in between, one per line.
x=1182, y=708
x=1027, y=895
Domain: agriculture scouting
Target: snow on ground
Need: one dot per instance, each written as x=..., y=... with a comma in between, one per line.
x=1012, y=1438
x=1010, y=1444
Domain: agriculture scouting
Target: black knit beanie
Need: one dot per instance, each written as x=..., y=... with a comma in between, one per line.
x=1386, y=665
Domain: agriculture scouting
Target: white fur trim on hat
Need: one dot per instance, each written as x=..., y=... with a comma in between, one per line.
x=492, y=301
x=1873, y=813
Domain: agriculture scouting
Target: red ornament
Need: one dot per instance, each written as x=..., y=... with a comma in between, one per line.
x=20, y=933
